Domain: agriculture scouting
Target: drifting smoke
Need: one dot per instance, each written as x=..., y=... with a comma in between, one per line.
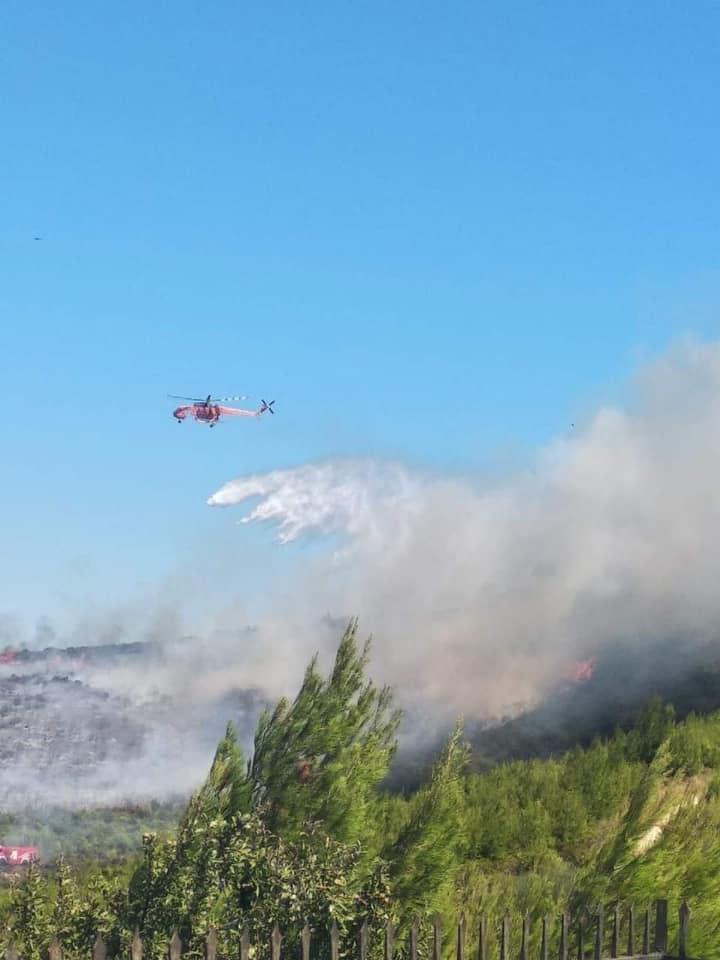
x=483, y=596
x=111, y=724
x=482, y=599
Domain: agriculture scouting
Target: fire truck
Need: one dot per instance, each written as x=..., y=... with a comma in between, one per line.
x=18, y=856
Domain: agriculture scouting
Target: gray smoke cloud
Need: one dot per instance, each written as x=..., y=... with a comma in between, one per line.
x=481, y=594
x=99, y=725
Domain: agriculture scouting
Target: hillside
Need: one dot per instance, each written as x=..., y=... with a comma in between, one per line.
x=103, y=725
x=667, y=843
x=628, y=818
x=622, y=679
x=101, y=836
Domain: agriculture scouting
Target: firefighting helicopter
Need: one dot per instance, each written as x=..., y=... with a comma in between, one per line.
x=211, y=409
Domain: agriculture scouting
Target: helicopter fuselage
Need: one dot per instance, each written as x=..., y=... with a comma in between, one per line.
x=203, y=412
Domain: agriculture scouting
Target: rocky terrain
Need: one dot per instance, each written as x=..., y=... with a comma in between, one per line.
x=74, y=731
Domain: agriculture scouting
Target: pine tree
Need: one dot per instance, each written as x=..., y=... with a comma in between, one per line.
x=424, y=857
x=320, y=758
x=226, y=791
x=654, y=726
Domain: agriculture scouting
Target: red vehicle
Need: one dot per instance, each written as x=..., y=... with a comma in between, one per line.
x=16, y=856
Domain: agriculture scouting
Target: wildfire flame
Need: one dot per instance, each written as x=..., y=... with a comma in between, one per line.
x=581, y=671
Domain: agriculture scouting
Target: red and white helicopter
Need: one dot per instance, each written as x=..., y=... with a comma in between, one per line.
x=210, y=410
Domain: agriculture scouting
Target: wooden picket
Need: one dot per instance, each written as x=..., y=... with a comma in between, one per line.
x=654, y=940
x=364, y=940
x=544, y=941
x=244, y=945
x=482, y=939
x=136, y=947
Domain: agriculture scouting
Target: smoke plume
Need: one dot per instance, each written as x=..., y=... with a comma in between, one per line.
x=481, y=595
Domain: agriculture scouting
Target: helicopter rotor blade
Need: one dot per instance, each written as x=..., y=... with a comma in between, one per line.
x=208, y=399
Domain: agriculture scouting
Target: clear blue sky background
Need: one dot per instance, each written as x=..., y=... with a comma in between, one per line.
x=428, y=231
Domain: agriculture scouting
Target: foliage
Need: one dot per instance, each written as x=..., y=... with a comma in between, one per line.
x=424, y=856
x=235, y=874
x=226, y=791
x=305, y=831
x=29, y=925
x=102, y=835
x=321, y=758
x=655, y=724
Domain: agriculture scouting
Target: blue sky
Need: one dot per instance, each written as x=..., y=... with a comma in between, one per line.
x=433, y=232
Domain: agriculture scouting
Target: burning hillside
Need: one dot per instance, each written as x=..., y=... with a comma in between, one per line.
x=607, y=692
x=72, y=731
x=581, y=670
x=592, y=698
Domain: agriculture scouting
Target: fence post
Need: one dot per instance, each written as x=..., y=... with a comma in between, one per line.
x=414, y=940
x=363, y=940
x=563, y=952
x=99, y=950
x=461, y=938
x=544, y=941
x=661, y=926
x=684, y=931
x=211, y=944
x=334, y=941
x=275, y=939
x=305, y=941
x=599, y=933
x=389, y=940
x=646, y=932
x=580, y=940
x=174, y=950
x=136, y=946
x=244, y=945
x=54, y=950
x=11, y=951
x=614, y=943
x=482, y=939
x=631, y=930
x=505, y=939
x=437, y=939
x=525, y=941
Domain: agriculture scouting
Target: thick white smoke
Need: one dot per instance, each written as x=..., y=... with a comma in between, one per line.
x=479, y=594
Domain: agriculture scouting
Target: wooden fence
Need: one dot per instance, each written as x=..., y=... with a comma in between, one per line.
x=644, y=937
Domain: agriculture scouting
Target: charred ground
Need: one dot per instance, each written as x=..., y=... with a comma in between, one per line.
x=683, y=672
x=73, y=736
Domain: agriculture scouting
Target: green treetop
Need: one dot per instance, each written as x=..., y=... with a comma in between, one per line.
x=320, y=758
